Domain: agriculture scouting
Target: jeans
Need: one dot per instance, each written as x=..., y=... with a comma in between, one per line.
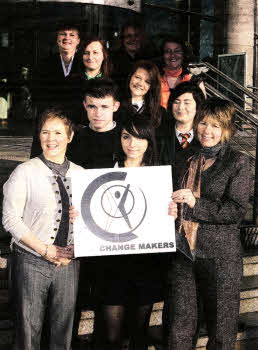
x=37, y=285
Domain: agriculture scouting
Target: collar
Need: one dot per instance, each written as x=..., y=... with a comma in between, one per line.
x=113, y=127
x=138, y=105
x=57, y=169
x=89, y=78
x=68, y=70
x=191, y=132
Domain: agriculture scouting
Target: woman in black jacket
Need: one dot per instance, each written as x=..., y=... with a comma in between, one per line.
x=213, y=199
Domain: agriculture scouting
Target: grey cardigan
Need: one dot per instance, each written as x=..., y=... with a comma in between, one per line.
x=31, y=202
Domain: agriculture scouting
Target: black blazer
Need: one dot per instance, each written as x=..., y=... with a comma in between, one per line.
x=171, y=152
x=51, y=87
x=223, y=203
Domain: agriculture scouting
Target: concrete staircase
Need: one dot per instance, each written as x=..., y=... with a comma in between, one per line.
x=248, y=326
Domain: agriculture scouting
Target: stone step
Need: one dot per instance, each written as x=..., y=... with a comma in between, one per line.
x=246, y=338
x=250, y=265
x=249, y=294
x=248, y=304
x=248, y=334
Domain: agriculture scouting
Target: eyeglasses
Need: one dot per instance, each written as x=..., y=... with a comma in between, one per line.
x=173, y=52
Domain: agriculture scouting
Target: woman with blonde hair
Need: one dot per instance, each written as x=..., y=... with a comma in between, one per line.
x=212, y=201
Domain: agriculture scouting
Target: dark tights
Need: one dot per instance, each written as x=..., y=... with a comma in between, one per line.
x=114, y=322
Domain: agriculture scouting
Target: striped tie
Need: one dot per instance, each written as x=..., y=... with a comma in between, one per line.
x=184, y=142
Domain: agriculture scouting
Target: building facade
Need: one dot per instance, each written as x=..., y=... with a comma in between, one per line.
x=212, y=27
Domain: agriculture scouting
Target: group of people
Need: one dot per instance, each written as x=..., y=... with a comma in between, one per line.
x=152, y=117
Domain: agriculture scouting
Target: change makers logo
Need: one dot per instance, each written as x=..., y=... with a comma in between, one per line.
x=112, y=209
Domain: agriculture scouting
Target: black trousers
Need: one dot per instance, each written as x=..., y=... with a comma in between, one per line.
x=214, y=284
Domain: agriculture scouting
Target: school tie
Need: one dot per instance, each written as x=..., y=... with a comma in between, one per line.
x=184, y=142
x=135, y=108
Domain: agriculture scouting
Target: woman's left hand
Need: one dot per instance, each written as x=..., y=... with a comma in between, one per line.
x=64, y=261
x=184, y=196
x=172, y=209
x=65, y=252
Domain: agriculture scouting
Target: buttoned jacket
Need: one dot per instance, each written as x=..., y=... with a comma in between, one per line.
x=222, y=205
x=32, y=204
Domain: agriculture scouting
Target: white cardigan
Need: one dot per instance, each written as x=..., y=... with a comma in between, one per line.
x=30, y=204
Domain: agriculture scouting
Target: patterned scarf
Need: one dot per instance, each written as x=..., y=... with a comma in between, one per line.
x=192, y=180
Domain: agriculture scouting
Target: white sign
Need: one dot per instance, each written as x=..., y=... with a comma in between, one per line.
x=123, y=211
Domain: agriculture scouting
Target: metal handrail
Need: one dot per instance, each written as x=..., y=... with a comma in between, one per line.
x=233, y=82
x=247, y=115
x=219, y=84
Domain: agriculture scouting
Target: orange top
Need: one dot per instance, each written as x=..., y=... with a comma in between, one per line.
x=165, y=89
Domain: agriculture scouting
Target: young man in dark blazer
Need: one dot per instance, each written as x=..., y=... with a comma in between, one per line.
x=180, y=143
x=176, y=147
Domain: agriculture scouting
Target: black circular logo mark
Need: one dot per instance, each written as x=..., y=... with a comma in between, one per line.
x=118, y=194
x=123, y=201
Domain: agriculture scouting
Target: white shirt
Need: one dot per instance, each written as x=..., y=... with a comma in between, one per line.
x=67, y=71
x=188, y=132
x=139, y=104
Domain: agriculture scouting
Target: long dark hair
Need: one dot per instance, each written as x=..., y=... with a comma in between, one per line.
x=153, y=96
x=141, y=128
x=106, y=67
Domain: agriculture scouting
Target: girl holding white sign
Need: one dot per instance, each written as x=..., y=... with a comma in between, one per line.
x=128, y=285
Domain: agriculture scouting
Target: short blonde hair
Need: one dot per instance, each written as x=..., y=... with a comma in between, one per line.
x=222, y=111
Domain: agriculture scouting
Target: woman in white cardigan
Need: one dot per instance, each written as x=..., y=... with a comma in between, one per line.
x=36, y=204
